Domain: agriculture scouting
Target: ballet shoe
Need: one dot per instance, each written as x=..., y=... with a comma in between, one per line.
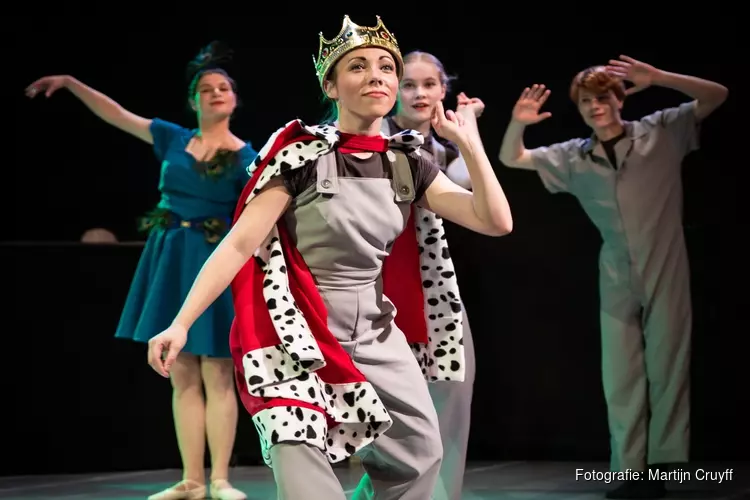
x=184, y=490
x=221, y=489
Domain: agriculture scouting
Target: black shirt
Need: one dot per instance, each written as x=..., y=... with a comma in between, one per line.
x=609, y=148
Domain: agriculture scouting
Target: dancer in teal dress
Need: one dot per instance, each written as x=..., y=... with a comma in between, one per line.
x=203, y=171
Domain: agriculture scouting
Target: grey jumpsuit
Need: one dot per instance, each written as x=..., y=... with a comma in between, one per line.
x=645, y=310
x=343, y=226
x=452, y=399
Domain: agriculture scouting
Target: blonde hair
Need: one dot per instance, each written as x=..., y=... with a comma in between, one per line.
x=418, y=55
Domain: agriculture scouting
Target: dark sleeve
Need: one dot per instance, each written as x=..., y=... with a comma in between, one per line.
x=299, y=179
x=164, y=133
x=451, y=151
x=423, y=171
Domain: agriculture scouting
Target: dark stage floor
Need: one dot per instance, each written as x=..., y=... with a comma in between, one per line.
x=507, y=480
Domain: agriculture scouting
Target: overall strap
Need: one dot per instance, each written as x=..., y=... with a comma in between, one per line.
x=327, y=181
x=403, y=182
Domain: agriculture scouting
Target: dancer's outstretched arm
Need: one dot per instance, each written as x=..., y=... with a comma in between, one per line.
x=101, y=105
x=708, y=95
x=471, y=109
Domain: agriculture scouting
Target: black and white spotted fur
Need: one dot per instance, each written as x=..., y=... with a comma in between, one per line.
x=287, y=370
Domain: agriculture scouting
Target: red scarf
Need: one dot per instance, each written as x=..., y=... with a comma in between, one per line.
x=351, y=143
x=253, y=329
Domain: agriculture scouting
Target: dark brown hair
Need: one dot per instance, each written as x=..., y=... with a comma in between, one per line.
x=210, y=60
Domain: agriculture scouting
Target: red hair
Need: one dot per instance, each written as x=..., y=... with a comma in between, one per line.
x=598, y=80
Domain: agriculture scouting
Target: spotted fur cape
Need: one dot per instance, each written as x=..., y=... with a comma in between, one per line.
x=294, y=378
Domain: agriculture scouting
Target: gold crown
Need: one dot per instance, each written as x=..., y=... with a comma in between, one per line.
x=350, y=37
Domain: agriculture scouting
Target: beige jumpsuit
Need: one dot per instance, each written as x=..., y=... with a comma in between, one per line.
x=644, y=281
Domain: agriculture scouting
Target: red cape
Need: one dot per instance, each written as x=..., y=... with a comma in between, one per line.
x=253, y=328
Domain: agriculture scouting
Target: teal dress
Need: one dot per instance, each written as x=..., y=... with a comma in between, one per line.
x=194, y=213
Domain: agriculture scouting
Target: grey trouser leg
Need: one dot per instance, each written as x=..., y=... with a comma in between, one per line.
x=453, y=404
x=646, y=371
x=667, y=332
x=404, y=462
x=302, y=472
x=623, y=374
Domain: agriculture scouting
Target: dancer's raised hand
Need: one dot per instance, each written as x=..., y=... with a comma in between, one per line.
x=526, y=110
x=640, y=74
x=466, y=103
x=449, y=124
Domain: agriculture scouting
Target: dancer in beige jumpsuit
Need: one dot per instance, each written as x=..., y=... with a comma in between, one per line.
x=342, y=211
x=425, y=83
x=627, y=178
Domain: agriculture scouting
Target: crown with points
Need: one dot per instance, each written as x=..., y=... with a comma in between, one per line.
x=353, y=36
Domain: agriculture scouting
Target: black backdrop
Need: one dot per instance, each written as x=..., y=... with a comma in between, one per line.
x=75, y=399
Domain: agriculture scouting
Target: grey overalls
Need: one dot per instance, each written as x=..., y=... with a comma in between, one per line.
x=644, y=278
x=344, y=227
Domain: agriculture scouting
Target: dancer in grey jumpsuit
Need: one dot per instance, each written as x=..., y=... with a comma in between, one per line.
x=627, y=177
x=425, y=83
x=342, y=211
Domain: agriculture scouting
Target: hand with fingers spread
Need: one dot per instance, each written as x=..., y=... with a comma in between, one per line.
x=471, y=104
x=526, y=110
x=48, y=84
x=640, y=74
x=164, y=348
x=449, y=124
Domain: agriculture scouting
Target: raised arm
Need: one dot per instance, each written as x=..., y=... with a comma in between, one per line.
x=707, y=95
x=101, y=105
x=513, y=152
x=470, y=108
x=237, y=247
x=486, y=209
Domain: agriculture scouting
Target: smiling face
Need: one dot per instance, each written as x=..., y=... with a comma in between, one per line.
x=599, y=110
x=421, y=89
x=599, y=97
x=364, y=83
x=214, y=97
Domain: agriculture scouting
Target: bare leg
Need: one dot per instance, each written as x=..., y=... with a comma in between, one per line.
x=189, y=409
x=189, y=418
x=221, y=423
